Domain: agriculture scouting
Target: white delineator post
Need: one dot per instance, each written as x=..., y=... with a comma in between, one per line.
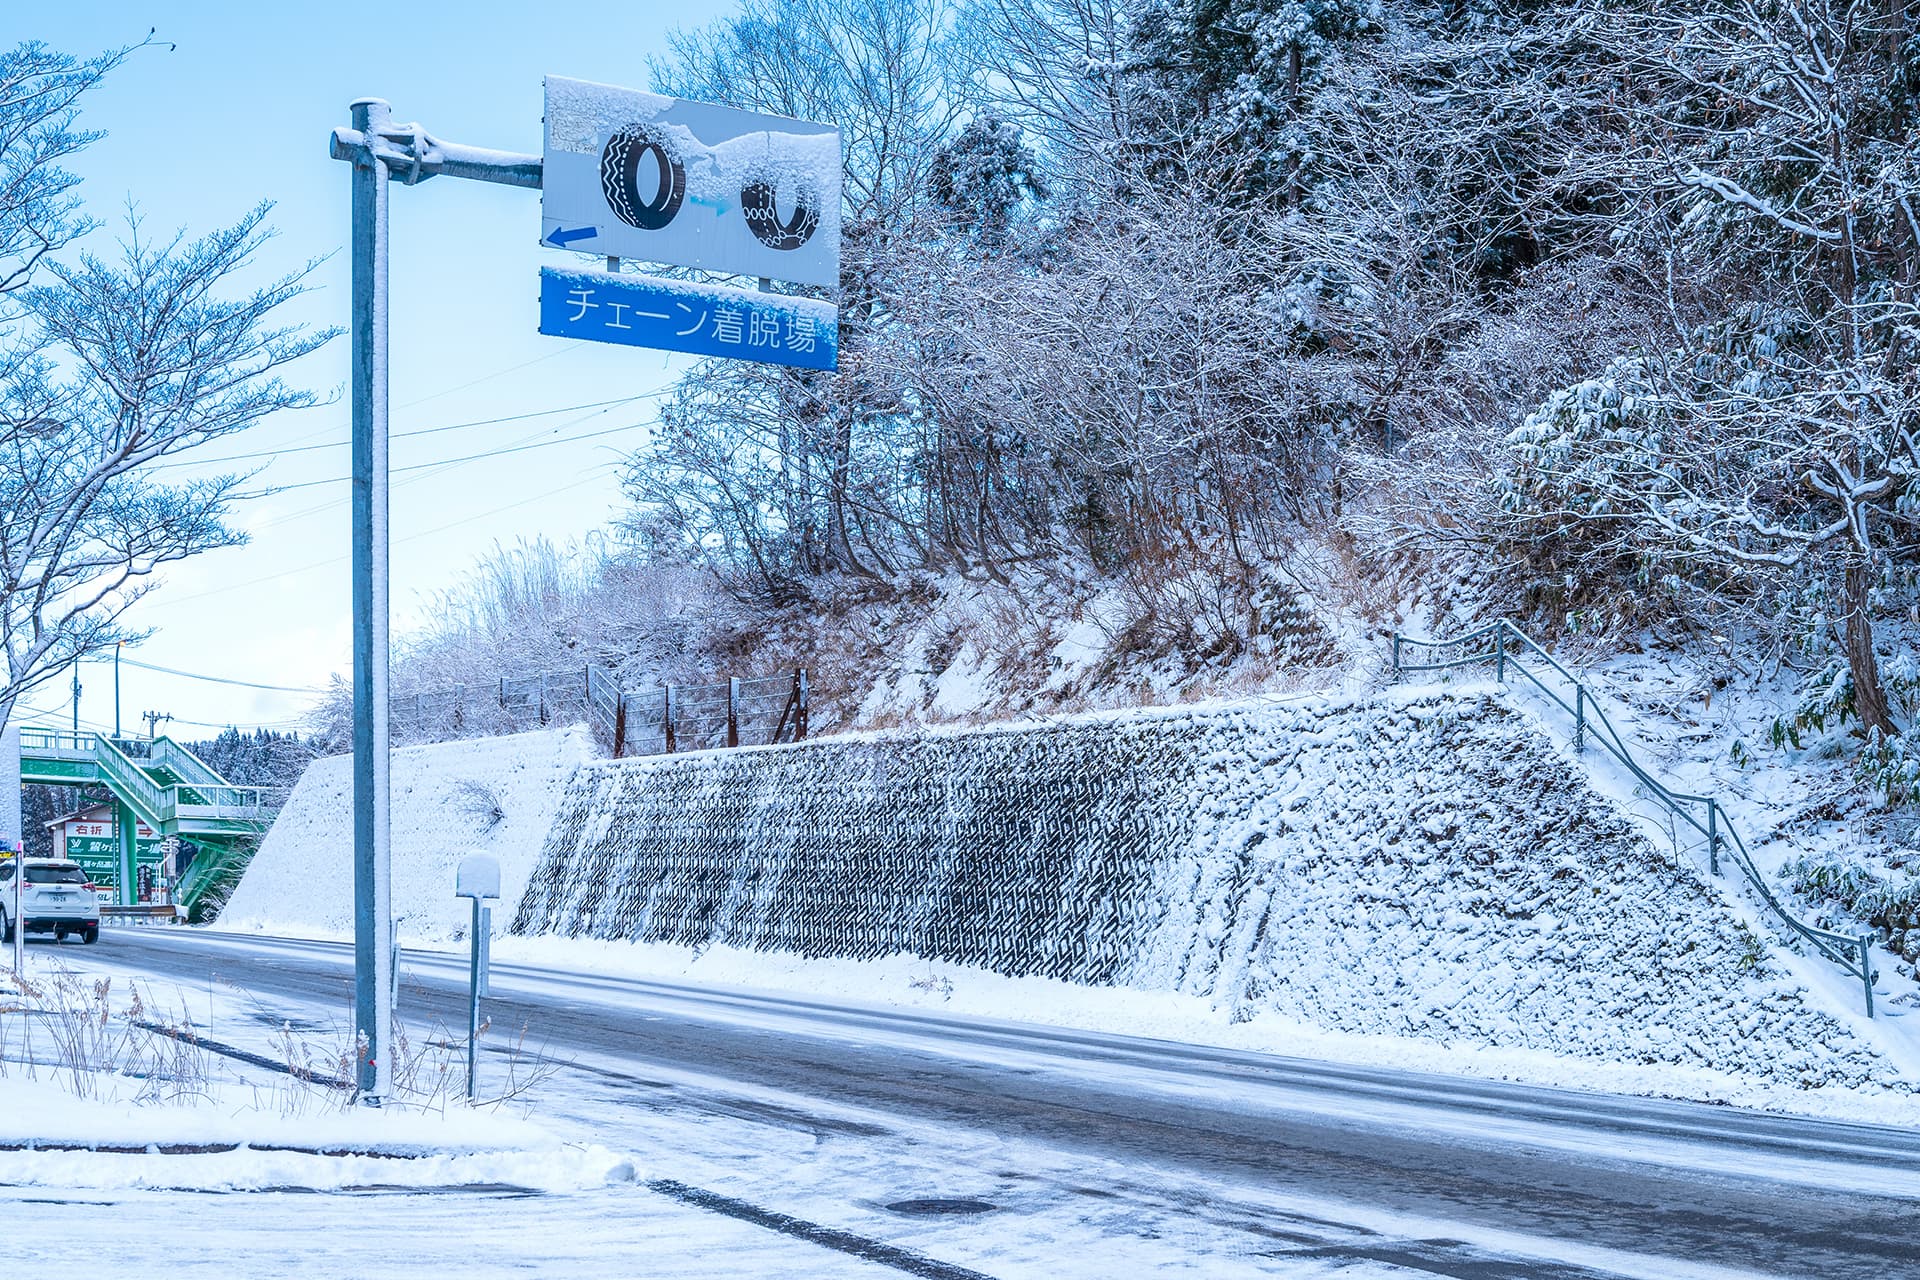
x=15, y=916
x=13, y=837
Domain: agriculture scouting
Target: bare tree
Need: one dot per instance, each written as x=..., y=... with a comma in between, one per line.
x=113, y=367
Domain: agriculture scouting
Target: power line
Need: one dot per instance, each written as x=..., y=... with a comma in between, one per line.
x=244, y=684
x=449, y=462
x=590, y=474
x=296, y=722
x=471, y=382
x=331, y=503
x=404, y=435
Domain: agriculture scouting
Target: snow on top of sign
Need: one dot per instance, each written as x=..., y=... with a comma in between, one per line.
x=580, y=111
x=786, y=161
x=786, y=153
x=577, y=110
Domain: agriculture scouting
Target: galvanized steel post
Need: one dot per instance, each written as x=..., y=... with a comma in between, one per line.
x=473, y=998
x=1713, y=836
x=372, y=145
x=1579, y=718
x=1866, y=968
x=372, y=775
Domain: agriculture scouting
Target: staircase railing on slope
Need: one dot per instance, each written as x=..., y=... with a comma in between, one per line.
x=147, y=798
x=123, y=763
x=192, y=771
x=1506, y=646
x=216, y=862
x=201, y=791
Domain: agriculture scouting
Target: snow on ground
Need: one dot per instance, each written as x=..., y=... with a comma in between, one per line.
x=1417, y=877
x=450, y=799
x=1056, y=1213
x=910, y=982
x=99, y=1097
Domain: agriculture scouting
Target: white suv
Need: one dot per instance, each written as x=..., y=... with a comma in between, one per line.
x=56, y=899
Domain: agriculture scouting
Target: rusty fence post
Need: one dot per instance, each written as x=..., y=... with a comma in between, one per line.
x=800, y=716
x=666, y=715
x=733, y=711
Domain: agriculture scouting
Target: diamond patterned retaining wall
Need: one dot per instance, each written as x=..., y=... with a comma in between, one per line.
x=1412, y=865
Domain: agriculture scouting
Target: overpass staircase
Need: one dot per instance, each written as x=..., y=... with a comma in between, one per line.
x=164, y=785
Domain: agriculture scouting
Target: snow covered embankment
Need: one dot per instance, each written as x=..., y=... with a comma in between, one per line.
x=450, y=799
x=1411, y=865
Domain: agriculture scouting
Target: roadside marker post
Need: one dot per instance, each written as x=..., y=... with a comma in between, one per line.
x=624, y=174
x=18, y=855
x=478, y=879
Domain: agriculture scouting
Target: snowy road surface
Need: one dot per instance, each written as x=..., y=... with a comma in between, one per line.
x=1099, y=1154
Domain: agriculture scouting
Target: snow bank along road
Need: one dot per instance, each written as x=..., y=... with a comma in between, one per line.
x=1422, y=1174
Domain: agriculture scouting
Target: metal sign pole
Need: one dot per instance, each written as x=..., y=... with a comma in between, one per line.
x=478, y=878
x=473, y=998
x=373, y=983
x=375, y=146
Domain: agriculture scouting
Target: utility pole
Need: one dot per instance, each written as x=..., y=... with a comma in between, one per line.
x=153, y=719
x=375, y=145
x=76, y=697
x=117, y=645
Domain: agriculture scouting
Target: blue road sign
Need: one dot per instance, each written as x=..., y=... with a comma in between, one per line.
x=700, y=319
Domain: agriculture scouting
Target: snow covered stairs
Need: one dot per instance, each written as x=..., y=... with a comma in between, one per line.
x=1510, y=649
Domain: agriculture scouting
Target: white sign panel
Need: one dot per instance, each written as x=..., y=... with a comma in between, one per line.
x=637, y=175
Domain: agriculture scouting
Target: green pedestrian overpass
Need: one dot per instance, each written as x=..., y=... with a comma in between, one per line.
x=161, y=783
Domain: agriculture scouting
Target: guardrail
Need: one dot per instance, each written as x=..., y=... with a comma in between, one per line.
x=1506, y=646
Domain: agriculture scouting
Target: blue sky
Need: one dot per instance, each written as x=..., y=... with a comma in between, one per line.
x=239, y=111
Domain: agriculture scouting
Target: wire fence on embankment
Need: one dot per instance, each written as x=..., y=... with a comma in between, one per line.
x=653, y=720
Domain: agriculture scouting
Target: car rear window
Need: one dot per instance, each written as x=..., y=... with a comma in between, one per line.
x=56, y=875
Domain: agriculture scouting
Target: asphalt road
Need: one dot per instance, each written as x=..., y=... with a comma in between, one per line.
x=1679, y=1180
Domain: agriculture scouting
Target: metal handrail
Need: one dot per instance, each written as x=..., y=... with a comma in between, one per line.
x=219, y=799
x=34, y=738
x=124, y=773
x=182, y=763
x=1499, y=642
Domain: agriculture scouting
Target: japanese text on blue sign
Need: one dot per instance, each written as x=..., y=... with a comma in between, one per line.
x=699, y=319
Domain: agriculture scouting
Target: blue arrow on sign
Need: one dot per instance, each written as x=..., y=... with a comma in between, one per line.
x=560, y=237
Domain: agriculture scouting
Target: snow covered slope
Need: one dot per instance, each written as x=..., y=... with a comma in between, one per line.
x=450, y=799
x=1412, y=864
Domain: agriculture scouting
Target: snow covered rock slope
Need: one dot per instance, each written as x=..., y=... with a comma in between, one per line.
x=450, y=799
x=1410, y=864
